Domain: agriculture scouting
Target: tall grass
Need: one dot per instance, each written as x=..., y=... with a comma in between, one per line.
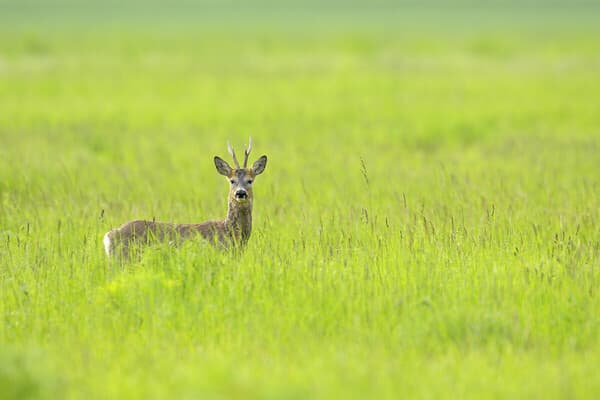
x=427, y=225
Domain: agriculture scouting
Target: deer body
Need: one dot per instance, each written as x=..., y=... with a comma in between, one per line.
x=234, y=230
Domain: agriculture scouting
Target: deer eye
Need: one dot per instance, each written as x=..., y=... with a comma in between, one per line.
x=249, y=181
x=232, y=181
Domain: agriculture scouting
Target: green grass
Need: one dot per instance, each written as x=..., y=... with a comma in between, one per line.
x=427, y=225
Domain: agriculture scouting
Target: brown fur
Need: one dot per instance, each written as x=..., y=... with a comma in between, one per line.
x=234, y=230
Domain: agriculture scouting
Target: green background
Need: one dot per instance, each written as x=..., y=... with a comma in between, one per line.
x=427, y=225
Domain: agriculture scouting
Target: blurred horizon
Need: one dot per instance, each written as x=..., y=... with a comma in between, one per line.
x=294, y=15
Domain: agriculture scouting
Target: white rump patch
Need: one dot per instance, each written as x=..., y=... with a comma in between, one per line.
x=106, y=241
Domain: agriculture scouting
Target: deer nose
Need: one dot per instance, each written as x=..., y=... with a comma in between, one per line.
x=241, y=194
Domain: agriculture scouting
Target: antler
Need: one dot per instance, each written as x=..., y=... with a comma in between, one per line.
x=230, y=150
x=247, y=152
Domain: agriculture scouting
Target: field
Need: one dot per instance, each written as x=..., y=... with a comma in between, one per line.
x=427, y=225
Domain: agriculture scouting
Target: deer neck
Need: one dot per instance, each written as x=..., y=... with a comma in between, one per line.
x=239, y=220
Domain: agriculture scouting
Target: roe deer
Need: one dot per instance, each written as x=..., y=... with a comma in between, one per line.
x=234, y=230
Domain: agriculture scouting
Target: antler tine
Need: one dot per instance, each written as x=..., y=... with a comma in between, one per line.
x=247, y=152
x=230, y=150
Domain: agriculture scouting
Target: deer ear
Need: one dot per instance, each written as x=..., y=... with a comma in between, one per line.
x=259, y=165
x=222, y=167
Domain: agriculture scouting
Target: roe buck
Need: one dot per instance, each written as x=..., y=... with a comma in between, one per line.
x=234, y=230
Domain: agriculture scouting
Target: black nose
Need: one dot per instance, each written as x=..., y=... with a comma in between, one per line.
x=241, y=194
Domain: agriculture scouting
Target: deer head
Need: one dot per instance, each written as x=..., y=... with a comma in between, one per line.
x=240, y=178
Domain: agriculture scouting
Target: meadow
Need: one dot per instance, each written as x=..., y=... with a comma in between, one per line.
x=427, y=225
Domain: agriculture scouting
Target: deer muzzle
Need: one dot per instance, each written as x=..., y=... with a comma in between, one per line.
x=241, y=195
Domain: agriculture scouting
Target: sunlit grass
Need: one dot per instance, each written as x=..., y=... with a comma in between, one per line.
x=427, y=225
